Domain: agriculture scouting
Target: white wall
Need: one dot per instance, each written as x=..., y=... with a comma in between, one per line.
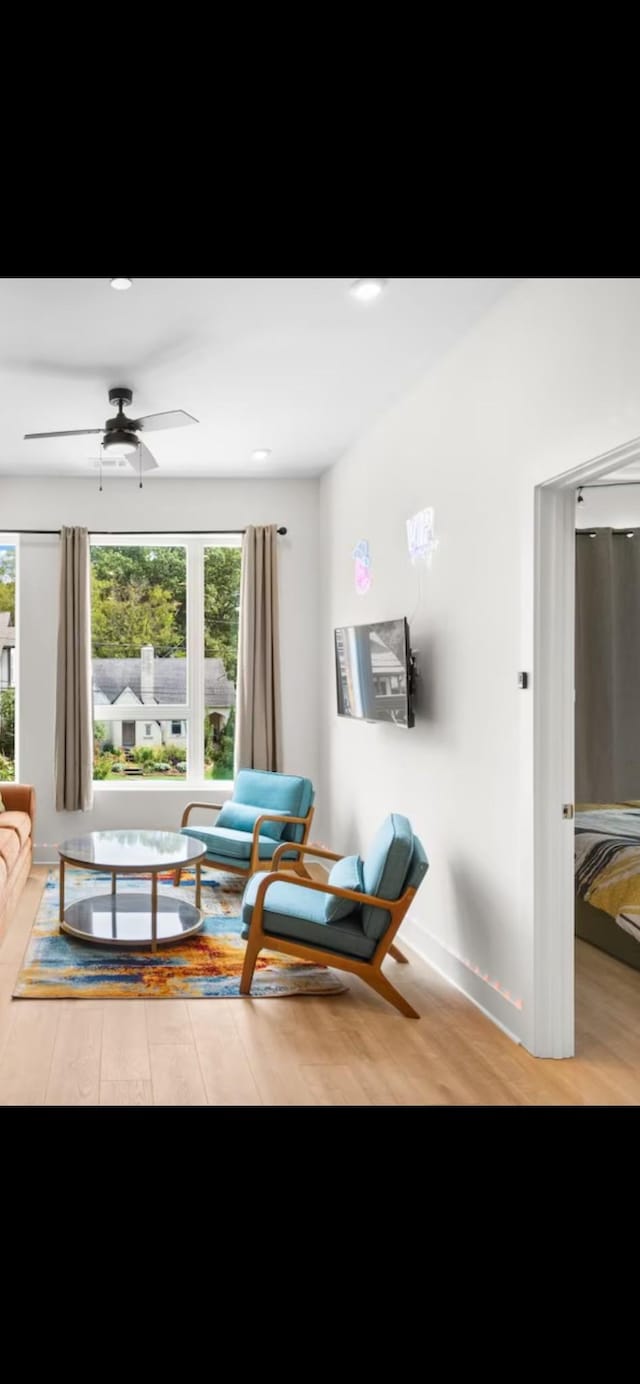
x=165, y=504
x=609, y=506
x=546, y=381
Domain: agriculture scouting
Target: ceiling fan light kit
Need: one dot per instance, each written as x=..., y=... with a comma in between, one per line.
x=123, y=434
x=117, y=437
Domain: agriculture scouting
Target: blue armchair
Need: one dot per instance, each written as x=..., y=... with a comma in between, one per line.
x=266, y=810
x=350, y=920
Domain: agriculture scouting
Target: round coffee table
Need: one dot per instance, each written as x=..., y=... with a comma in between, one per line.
x=131, y=920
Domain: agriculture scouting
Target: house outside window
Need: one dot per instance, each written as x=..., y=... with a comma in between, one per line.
x=7, y=657
x=164, y=634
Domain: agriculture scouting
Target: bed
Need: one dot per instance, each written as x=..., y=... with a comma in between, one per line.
x=607, y=869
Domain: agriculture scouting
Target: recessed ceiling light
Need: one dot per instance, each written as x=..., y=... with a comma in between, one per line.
x=366, y=290
x=261, y=454
x=121, y=283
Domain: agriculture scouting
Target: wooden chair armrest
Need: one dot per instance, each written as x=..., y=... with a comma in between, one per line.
x=254, y=861
x=210, y=807
x=287, y=846
x=389, y=905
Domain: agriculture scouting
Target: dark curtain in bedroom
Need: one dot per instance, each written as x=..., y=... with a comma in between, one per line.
x=607, y=666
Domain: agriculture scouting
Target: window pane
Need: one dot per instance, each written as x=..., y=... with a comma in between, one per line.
x=138, y=749
x=221, y=608
x=7, y=661
x=139, y=648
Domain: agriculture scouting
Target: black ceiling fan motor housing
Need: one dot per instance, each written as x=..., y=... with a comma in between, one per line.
x=120, y=395
x=120, y=428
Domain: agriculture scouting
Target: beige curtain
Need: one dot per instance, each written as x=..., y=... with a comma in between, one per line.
x=74, y=710
x=258, y=716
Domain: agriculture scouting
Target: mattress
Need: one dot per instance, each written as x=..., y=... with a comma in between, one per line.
x=598, y=928
x=607, y=869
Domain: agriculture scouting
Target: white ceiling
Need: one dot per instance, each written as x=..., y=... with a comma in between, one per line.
x=296, y=365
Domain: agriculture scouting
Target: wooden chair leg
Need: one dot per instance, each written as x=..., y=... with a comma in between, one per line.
x=388, y=991
x=398, y=955
x=176, y=878
x=250, y=958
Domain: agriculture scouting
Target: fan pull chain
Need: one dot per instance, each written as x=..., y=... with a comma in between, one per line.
x=140, y=464
x=100, y=486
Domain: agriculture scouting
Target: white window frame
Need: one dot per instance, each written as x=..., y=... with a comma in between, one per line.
x=190, y=713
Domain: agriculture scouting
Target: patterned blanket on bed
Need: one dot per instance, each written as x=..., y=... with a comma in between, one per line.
x=607, y=855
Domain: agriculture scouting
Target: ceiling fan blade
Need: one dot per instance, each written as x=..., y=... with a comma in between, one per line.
x=177, y=419
x=142, y=460
x=75, y=432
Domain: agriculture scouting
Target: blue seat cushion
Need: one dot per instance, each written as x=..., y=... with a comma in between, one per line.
x=346, y=874
x=385, y=869
x=243, y=817
x=275, y=793
x=230, y=844
x=299, y=914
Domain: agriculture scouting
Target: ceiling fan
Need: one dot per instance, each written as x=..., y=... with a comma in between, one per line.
x=122, y=433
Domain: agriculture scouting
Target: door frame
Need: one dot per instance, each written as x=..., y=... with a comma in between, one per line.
x=552, y=1030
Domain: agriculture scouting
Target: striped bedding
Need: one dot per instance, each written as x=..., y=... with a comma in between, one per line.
x=607, y=857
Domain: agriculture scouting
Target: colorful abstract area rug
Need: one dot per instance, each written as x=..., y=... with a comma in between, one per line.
x=204, y=966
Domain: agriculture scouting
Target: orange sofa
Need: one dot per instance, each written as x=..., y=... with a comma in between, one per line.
x=16, y=845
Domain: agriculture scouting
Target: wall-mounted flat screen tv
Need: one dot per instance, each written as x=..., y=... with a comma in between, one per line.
x=374, y=672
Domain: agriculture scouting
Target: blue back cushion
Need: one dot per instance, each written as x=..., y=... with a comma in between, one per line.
x=385, y=869
x=243, y=817
x=275, y=793
x=296, y=833
x=346, y=874
x=418, y=866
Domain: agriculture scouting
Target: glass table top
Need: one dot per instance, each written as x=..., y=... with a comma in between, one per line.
x=131, y=848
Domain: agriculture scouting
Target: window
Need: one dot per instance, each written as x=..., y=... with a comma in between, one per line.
x=7, y=657
x=164, y=634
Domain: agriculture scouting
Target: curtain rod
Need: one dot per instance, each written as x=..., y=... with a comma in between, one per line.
x=604, y=528
x=133, y=533
x=607, y=485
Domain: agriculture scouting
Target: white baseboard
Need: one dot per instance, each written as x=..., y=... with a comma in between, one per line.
x=451, y=968
x=45, y=855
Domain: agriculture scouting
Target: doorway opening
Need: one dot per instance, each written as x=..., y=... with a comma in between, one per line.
x=553, y=992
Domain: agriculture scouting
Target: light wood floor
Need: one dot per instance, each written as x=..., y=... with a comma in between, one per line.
x=350, y=1049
